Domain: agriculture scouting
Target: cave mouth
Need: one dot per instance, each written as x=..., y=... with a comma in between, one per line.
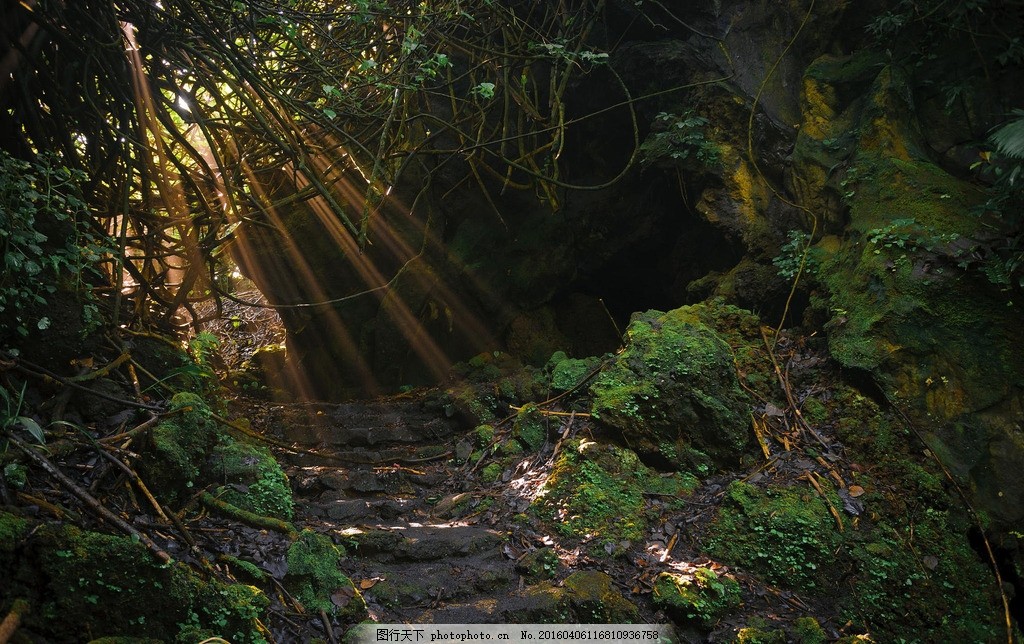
x=655, y=271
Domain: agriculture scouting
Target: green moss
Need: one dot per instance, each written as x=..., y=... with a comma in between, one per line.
x=785, y=534
x=596, y=600
x=316, y=580
x=256, y=482
x=510, y=447
x=807, y=630
x=702, y=598
x=484, y=435
x=567, y=372
x=180, y=444
x=100, y=585
x=920, y=576
x=530, y=428
x=760, y=632
x=598, y=491
x=491, y=472
x=675, y=386
x=12, y=528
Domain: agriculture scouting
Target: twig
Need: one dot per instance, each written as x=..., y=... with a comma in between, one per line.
x=88, y=499
x=327, y=626
x=36, y=371
x=19, y=609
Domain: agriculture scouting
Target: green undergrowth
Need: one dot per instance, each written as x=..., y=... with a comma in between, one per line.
x=785, y=534
x=916, y=572
x=902, y=568
x=88, y=585
x=598, y=492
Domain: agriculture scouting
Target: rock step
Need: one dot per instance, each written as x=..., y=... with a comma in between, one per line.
x=360, y=424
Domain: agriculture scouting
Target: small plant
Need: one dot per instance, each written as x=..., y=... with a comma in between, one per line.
x=908, y=235
x=796, y=256
x=12, y=418
x=681, y=138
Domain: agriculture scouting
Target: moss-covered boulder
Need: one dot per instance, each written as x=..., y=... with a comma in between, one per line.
x=315, y=578
x=179, y=445
x=596, y=492
x=700, y=598
x=84, y=585
x=530, y=428
x=567, y=373
x=253, y=479
x=674, y=393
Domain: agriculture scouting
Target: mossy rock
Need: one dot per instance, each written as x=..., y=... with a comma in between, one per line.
x=254, y=481
x=530, y=428
x=597, y=491
x=315, y=578
x=86, y=585
x=787, y=535
x=567, y=373
x=702, y=598
x=807, y=630
x=539, y=565
x=918, y=577
x=179, y=445
x=595, y=599
x=674, y=393
x=586, y=597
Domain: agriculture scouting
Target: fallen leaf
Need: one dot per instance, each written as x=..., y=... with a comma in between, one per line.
x=856, y=490
x=343, y=596
x=930, y=562
x=366, y=584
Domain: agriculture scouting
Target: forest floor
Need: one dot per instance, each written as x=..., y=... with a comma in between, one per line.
x=443, y=516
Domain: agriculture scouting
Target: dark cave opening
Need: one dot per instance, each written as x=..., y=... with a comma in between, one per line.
x=654, y=271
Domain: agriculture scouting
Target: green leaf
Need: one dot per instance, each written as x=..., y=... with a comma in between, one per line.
x=33, y=428
x=1009, y=139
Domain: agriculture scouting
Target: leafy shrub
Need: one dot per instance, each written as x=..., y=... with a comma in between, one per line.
x=46, y=245
x=680, y=138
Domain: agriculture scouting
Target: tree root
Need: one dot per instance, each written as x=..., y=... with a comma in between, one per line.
x=249, y=518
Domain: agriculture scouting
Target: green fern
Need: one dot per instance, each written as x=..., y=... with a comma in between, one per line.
x=1009, y=139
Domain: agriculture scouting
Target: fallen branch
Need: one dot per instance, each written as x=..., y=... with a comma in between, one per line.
x=88, y=499
x=249, y=518
x=13, y=620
